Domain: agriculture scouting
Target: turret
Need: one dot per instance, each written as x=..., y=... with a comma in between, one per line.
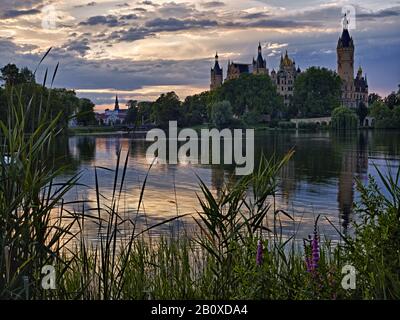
x=216, y=74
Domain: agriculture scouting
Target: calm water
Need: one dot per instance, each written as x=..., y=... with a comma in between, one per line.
x=318, y=180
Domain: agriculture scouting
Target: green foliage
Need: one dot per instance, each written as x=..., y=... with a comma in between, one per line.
x=250, y=92
x=375, y=251
x=344, y=119
x=392, y=100
x=144, y=112
x=167, y=108
x=12, y=76
x=317, y=92
x=221, y=114
x=373, y=97
x=86, y=114
x=29, y=197
x=132, y=113
x=385, y=118
x=21, y=87
x=195, y=109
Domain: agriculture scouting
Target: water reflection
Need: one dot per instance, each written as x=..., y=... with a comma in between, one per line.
x=318, y=180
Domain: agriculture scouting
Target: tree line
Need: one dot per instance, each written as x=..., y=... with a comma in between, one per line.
x=20, y=86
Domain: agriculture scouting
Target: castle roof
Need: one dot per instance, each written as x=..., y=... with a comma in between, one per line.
x=217, y=69
x=345, y=41
x=286, y=61
x=243, y=68
x=260, y=62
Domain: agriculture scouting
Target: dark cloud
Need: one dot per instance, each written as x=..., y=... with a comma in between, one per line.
x=81, y=46
x=257, y=15
x=390, y=12
x=20, y=4
x=138, y=9
x=172, y=24
x=131, y=34
x=89, y=4
x=213, y=4
x=111, y=21
x=149, y=3
x=18, y=13
x=123, y=5
x=274, y=23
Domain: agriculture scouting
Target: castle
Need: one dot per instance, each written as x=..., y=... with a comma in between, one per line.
x=283, y=78
x=354, y=90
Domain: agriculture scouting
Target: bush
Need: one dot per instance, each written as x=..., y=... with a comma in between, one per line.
x=344, y=119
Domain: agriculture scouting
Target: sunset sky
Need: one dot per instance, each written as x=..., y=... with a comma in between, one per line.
x=140, y=49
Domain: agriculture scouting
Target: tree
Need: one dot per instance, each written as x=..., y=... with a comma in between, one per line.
x=221, y=114
x=362, y=112
x=384, y=117
x=379, y=110
x=392, y=100
x=26, y=76
x=145, y=111
x=132, y=113
x=86, y=115
x=317, y=92
x=167, y=108
x=195, y=109
x=344, y=119
x=250, y=92
x=10, y=75
x=372, y=97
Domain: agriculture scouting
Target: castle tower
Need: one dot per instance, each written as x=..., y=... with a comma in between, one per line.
x=345, y=65
x=216, y=75
x=260, y=65
x=285, y=77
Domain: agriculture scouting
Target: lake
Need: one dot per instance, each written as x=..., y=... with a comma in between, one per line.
x=319, y=179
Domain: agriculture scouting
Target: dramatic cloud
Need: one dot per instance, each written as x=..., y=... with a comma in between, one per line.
x=143, y=48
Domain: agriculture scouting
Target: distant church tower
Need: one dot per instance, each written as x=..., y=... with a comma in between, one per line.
x=116, y=107
x=216, y=75
x=345, y=65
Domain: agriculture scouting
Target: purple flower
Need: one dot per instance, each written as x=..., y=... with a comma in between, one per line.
x=315, y=251
x=312, y=260
x=259, y=257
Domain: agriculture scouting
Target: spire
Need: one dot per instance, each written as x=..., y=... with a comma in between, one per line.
x=116, y=107
x=217, y=69
x=345, y=40
x=260, y=63
x=345, y=22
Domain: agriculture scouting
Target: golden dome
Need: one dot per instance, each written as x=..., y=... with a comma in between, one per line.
x=287, y=61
